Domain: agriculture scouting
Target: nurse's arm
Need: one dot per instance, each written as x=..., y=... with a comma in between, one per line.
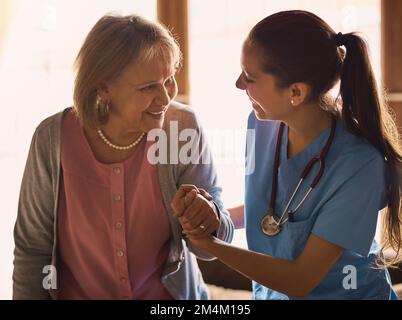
x=237, y=216
x=296, y=278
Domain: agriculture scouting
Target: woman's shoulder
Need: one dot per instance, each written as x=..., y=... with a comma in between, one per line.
x=183, y=114
x=47, y=133
x=357, y=147
x=355, y=155
x=52, y=122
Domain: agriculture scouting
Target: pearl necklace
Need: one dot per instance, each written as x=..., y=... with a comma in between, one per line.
x=131, y=145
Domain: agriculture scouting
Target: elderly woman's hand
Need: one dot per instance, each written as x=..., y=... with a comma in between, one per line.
x=196, y=212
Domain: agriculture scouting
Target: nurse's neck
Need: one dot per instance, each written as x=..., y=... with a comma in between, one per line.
x=305, y=124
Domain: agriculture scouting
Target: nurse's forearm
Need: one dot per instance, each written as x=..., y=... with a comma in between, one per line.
x=237, y=216
x=278, y=274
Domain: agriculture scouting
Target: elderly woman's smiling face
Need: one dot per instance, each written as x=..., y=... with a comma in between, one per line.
x=140, y=96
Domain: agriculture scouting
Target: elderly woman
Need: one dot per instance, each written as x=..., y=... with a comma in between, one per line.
x=94, y=216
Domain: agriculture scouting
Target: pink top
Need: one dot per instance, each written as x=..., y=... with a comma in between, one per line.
x=113, y=229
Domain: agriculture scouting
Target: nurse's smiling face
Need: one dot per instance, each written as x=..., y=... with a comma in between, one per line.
x=269, y=101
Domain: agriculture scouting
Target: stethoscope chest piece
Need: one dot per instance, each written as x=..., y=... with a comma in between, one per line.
x=270, y=225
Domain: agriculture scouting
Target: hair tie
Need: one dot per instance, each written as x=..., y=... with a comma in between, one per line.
x=339, y=39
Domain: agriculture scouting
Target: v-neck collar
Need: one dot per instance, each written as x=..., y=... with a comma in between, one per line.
x=290, y=170
x=310, y=151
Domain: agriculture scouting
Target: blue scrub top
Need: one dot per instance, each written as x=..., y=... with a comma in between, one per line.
x=342, y=209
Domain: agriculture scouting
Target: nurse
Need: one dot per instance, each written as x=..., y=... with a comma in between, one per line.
x=323, y=170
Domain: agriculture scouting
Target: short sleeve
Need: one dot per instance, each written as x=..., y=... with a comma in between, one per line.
x=349, y=217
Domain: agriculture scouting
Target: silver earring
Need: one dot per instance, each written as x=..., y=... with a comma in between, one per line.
x=102, y=107
x=292, y=101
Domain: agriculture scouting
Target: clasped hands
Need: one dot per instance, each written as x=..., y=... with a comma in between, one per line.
x=195, y=211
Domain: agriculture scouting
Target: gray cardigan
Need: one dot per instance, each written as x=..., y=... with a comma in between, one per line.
x=35, y=229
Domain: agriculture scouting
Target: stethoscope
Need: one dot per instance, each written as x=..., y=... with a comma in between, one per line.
x=271, y=224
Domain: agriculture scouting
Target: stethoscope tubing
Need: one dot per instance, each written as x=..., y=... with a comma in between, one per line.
x=319, y=158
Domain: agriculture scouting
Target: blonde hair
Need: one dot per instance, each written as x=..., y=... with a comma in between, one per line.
x=113, y=43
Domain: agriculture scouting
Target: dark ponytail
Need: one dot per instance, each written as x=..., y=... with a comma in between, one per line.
x=365, y=114
x=320, y=62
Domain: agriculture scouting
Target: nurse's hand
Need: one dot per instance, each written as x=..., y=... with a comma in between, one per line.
x=196, y=212
x=203, y=243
